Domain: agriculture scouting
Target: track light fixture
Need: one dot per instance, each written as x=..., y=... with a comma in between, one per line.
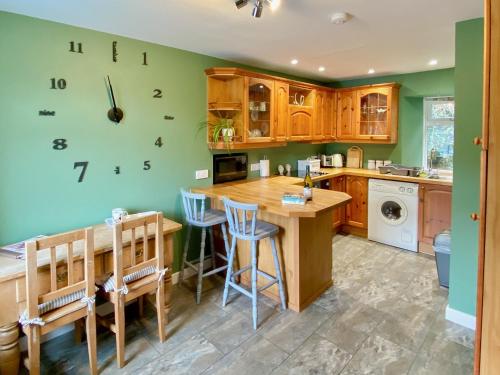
x=258, y=6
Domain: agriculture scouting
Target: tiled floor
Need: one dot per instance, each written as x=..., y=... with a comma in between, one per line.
x=385, y=315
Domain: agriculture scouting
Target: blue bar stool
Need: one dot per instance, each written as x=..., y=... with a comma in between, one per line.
x=198, y=216
x=252, y=230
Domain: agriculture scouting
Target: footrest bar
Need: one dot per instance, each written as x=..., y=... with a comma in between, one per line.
x=221, y=256
x=217, y=270
x=240, y=289
x=266, y=275
x=244, y=269
x=192, y=265
x=268, y=285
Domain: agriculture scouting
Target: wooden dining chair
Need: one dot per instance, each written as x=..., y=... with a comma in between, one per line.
x=136, y=279
x=63, y=304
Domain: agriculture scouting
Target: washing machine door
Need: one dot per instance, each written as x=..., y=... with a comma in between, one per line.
x=392, y=210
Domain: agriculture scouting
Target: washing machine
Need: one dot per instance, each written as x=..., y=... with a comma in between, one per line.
x=393, y=213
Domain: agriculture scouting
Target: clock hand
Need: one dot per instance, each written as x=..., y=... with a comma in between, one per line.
x=115, y=111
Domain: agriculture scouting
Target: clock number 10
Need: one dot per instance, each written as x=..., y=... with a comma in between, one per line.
x=57, y=84
x=79, y=48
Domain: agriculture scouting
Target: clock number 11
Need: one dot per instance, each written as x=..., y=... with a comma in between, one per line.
x=79, y=48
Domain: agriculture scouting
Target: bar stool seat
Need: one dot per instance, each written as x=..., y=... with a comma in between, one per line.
x=211, y=218
x=262, y=230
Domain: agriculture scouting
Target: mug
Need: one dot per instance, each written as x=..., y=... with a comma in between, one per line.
x=262, y=106
x=118, y=214
x=378, y=163
x=371, y=164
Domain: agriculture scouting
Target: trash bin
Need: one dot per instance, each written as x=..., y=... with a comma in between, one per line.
x=442, y=249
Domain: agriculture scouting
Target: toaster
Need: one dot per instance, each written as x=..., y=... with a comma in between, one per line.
x=314, y=165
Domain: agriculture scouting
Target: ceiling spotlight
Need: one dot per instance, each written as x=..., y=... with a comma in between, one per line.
x=321, y=68
x=433, y=62
x=294, y=62
x=274, y=4
x=371, y=71
x=257, y=10
x=340, y=18
x=240, y=3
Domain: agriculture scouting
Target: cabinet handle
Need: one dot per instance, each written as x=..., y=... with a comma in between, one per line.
x=474, y=216
x=477, y=141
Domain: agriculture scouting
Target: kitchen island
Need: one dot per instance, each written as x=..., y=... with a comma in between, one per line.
x=304, y=240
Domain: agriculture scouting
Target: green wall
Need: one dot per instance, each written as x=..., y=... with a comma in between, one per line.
x=414, y=87
x=468, y=97
x=39, y=192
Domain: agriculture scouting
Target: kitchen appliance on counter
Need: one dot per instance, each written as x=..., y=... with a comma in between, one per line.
x=332, y=161
x=400, y=170
x=314, y=165
x=229, y=167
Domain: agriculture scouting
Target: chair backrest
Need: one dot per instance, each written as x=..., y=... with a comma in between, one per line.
x=242, y=218
x=67, y=244
x=141, y=226
x=194, y=206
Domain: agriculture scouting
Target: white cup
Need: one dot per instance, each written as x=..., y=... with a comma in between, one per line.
x=387, y=162
x=371, y=164
x=118, y=214
x=379, y=163
x=262, y=106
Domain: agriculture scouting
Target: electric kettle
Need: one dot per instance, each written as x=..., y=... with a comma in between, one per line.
x=338, y=160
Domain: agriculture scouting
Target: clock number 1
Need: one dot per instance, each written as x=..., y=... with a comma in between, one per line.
x=144, y=58
x=83, y=165
x=79, y=48
x=59, y=84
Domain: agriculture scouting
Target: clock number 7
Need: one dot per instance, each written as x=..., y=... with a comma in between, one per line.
x=83, y=165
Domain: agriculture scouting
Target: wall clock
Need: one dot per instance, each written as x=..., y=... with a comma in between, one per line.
x=116, y=115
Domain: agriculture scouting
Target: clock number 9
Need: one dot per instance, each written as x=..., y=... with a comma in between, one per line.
x=59, y=84
x=59, y=144
x=83, y=165
x=147, y=165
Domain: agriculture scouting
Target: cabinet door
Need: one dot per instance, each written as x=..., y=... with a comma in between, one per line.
x=434, y=214
x=373, y=119
x=346, y=114
x=319, y=115
x=281, y=113
x=357, y=210
x=260, y=114
x=301, y=121
x=330, y=116
x=338, y=184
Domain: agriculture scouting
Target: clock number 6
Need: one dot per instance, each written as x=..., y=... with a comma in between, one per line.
x=83, y=165
x=147, y=165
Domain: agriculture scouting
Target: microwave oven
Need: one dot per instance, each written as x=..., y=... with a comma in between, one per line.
x=229, y=167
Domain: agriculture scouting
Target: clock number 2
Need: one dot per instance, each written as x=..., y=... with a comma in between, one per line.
x=147, y=165
x=157, y=93
x=57, y=84
x=83, y=165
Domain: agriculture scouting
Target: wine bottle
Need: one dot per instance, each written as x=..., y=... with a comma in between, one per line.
x=308, y=184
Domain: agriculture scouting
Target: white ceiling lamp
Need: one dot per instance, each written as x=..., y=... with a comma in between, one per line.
x=321, y=69
x=340, y=18
x=258, y=6
x=371, y=71
x=433, y=62
x=294, y=61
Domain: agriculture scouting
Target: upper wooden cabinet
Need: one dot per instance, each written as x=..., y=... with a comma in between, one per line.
x=266, y=111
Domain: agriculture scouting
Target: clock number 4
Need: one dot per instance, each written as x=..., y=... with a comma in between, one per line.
x=83, y=165
x=157, y=93
x=147, y=165
x=57, y=84
x=159, y=142
x=78, y=49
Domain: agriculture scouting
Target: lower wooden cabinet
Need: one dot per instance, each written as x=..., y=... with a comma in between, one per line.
x=357, y=210
x=434, y=214
x=338, y=184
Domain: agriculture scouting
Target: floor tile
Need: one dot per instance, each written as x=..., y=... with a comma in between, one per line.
x=432, y=366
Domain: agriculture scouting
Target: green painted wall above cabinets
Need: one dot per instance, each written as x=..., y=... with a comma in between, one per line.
x=414, y=87
x=468, y=123
x=40, y=192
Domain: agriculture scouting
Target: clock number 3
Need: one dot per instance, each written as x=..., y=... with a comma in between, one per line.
x=83, y=165
x=78, y=49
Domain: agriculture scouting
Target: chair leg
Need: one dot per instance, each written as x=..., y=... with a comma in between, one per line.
x=160, y=310
x=226, y=243
x=78, y=336
x=278, y=273
x=212, y=246
x=254, y=283
x=120, y=330
x=34, y=349
x=200, y=265
x=229, y=271
x=91, y=341
x=184, y=253
x=140, y=306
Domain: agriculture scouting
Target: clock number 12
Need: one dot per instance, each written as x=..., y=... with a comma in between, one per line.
x=83, y=165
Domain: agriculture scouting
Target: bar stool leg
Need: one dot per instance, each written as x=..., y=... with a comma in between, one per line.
x=278, y=273
x=226, y=241
x=212, y=246
x=229, y=271
x=200, y=265
x=184, y=253
x=254, y=284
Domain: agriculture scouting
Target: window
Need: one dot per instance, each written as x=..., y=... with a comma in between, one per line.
x=439, y=122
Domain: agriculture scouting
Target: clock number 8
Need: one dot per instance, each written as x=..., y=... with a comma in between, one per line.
x=59, y=144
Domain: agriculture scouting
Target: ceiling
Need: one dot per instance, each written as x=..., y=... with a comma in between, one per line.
x=390, y=36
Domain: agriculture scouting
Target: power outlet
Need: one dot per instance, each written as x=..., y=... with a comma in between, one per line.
x=201, y=174
x=255, y=167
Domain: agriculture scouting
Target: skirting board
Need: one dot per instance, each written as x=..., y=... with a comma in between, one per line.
x=460, y=318
x=188, y=272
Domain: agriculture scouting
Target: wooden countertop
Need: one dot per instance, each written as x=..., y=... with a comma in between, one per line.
x=267, y=193
x=335, y=172
x=11, y=268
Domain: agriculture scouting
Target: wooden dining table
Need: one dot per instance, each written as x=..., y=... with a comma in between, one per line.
x=13, y=281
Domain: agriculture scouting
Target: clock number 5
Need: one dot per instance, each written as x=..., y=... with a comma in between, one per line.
x=147, y=165
x=83, y=165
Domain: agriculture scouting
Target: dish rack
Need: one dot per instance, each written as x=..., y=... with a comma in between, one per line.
x=400, y=170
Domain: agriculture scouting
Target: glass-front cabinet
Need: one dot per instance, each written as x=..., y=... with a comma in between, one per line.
x=260, y=111
x=374, y=118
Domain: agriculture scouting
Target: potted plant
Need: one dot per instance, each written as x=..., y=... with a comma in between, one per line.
x=221, y=128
